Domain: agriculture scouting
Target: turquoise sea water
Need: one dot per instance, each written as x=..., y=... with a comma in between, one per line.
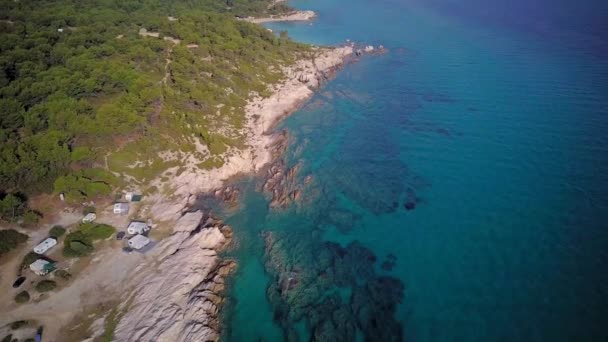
x=489, y=121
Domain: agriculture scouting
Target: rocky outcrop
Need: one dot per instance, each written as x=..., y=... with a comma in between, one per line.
x=178, y=297
x=282, y=184
x=228, y=195
x=370, y=49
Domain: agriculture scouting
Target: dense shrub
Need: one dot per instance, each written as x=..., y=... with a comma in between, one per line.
x=80, y=242
x=63, y=274
x=12, y=207
x=18, y=324
x=28, y=259
x=77, y=244
x=57, y=232
x=78, y=249
x=22, y=297
x=65, y=95
x=84, y=184
x=88, y=210
x=9, y=239
x=46, y=285
x=31, y=217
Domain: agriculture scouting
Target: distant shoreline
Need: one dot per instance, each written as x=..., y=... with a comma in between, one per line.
x=293, y=16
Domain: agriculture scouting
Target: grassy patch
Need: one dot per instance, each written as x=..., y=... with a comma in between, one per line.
x=140, y=159
x=211, y=163
x=111, y=323
x=97, y=231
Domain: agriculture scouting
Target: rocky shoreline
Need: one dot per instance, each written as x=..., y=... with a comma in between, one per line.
x=301, y=80
x=175, y=291
x=178, y=296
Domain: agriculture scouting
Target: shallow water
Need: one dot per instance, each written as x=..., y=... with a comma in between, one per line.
x=489, y=122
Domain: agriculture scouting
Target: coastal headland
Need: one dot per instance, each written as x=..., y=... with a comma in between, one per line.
x=175, y=292
x=194, y=282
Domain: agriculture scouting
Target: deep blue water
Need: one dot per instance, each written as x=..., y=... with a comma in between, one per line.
x=490, y=119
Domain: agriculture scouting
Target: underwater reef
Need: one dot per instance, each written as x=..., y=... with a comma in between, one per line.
x=334, y=290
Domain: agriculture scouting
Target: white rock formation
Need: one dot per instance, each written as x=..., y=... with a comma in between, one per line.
x=178, y=300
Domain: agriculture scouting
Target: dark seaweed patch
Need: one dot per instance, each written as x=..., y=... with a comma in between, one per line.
x=309, y=276
x=389, y=263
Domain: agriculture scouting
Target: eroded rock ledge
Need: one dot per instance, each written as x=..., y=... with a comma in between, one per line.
x=178, y=298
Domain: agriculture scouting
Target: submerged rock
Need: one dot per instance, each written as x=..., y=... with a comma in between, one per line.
x=228, y=195
x=375, y=305
x=411, y=199
x=281, y=182
x=387, y=265
x=343, y=220
x=333, y=288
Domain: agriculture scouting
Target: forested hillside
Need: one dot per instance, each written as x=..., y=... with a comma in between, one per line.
x=88, y=87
